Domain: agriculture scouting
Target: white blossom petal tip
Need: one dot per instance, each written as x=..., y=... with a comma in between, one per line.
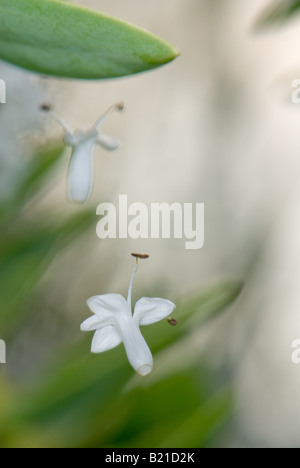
x=105, y=339
x=107, y=142
x=107, y=304
x=114, y=323
x=145, y=370
x=93, y=323
x=152, y=310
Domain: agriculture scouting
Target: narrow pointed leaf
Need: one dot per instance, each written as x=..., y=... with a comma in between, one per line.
x=278, y=12
x=57, y=38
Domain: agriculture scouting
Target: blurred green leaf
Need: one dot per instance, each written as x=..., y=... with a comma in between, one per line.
x=26, y=252
x=277, y=12
x=192, y=313
x=84, y=401
x=202, y=424
x=28, y=246
x=57, y=38
x=38, y=170
x=206, y=306
x=178, y=411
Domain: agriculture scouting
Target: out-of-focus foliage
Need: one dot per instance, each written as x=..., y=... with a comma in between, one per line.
x=279, y=11
x=61, y=39
x=27, y=246
x=95, y=401
x=82, y=400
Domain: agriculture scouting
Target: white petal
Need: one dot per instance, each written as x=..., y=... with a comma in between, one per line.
x=107, y=142
x=94, y=323
x=137, y=350
x=151, y=310
x=81, y=172
x=105, y=339
x=108, y=305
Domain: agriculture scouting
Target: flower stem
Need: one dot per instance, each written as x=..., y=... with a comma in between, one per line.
x=62, y=122
x=131, y=284
x=119, y=107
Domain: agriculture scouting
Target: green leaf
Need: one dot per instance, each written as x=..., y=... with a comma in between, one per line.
x=25, y=255
x=83, y=400
x=192, y=313
x=38, y=170
x=203, y=423
x=278, y=12
x=210, y=303
x=57, y=38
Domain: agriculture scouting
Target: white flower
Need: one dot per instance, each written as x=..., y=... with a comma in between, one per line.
x=81, y=169
x=114, y=324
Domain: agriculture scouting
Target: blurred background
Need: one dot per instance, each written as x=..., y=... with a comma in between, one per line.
x=216, y=126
